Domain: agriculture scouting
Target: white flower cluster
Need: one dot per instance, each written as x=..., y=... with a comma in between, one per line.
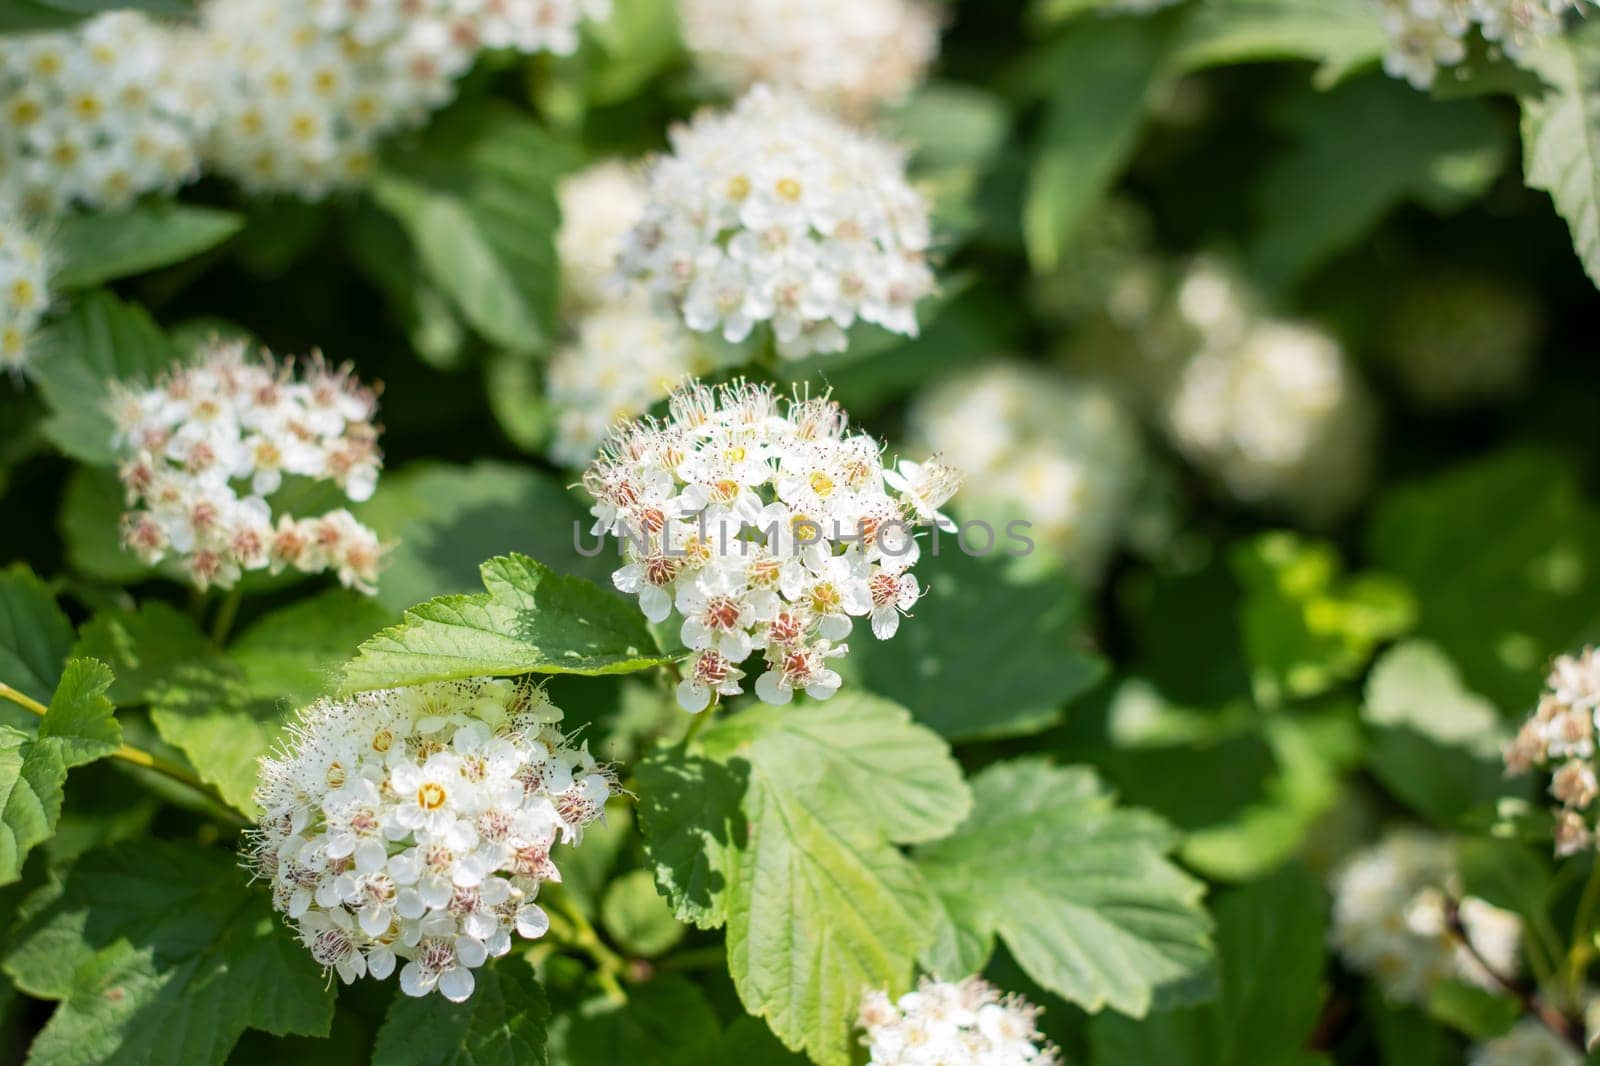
x=1391, y=919
x=1456, y=340
x=1425, y=35
x=1560, y=737
x=776, y=213
x=95, y=115
x=417, y=824
x=768, y=527
x=299, y=92
x=944, y=1024
x=599, y=205
x=208, y=442
x=1529, y=1043
x=627, y=355
x=1272, y=410
x=1063, y=455
x=849, y=54
x=24, y=288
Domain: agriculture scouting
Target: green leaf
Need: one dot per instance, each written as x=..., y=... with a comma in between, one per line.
x=1338, y=34
x=35, y=635
x=1105, y=70
x=665, y=1021
x=1009, y=674
x=477, y=197
x=1435, y=744
x=295, y=652
x=531, y=620
x=79, y=721
x=161, y=953
x=145, y=647
x=1270, y=956
x=27, y=16
x=99, y=340
x=1359, y=151
x=1306, y=627
x=77, y=728
x=1245, y=786
x=503, y=1024
x=638, y=918
x=819, y=905
x=690, y=815
x=1080, y=890
x=1503, y=555
x=1561, y=133
x=222, y=726
x=1507, y=874
x=90, y=249
x=444, y=520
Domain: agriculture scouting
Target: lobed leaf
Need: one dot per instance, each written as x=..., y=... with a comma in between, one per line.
x=504, y=1023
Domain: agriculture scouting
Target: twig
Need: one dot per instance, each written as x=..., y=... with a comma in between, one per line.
x=1552, y=1019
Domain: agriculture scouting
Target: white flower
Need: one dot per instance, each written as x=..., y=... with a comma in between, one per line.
x=417, y=824
x=963, y=1022
x=851, y=54
x=298, y=93
x=24, y=288
x=1425, y=35
x=1061, y=455
x=599, y=205
x=1391, y=919
x=208, y=441
x=1529, y=1043
x=1560, y=737
x=776, y=213
x=94, y=116
x=1271, y=410
x=767, y=527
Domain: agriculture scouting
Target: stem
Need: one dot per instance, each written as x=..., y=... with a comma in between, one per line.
x=582, y=935
x=1552, y=1019
x=132, y=755
x=226, y=613
x=697, y=724
x=1582, y=932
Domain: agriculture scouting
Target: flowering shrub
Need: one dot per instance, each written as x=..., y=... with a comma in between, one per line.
x=862, y=532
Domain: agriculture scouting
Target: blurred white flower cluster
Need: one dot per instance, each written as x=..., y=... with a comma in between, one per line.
x=599, y=205
x=1528, y=1043
x=1391, y=919
x=1560, y=737
x=847, y=54
x=768, y=527
x=776, y=213
x=417, y=824
x=208, y=442
x=297, y=93
x=626, y=356
x=1455, y=341
x=1425, y=35
x=93, y=116
x=24, y=288
x=1062, y=455
x=1272, y=410
x=943, y=1023
x=625, y=351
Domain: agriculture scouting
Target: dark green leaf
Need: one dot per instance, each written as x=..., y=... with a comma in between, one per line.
x=503, y=1024
x=26, y=16
x=986, y=653
x=161, y=953
x=90, y=249
x=1104, y=72
x=35, y=635
x=145, y=647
